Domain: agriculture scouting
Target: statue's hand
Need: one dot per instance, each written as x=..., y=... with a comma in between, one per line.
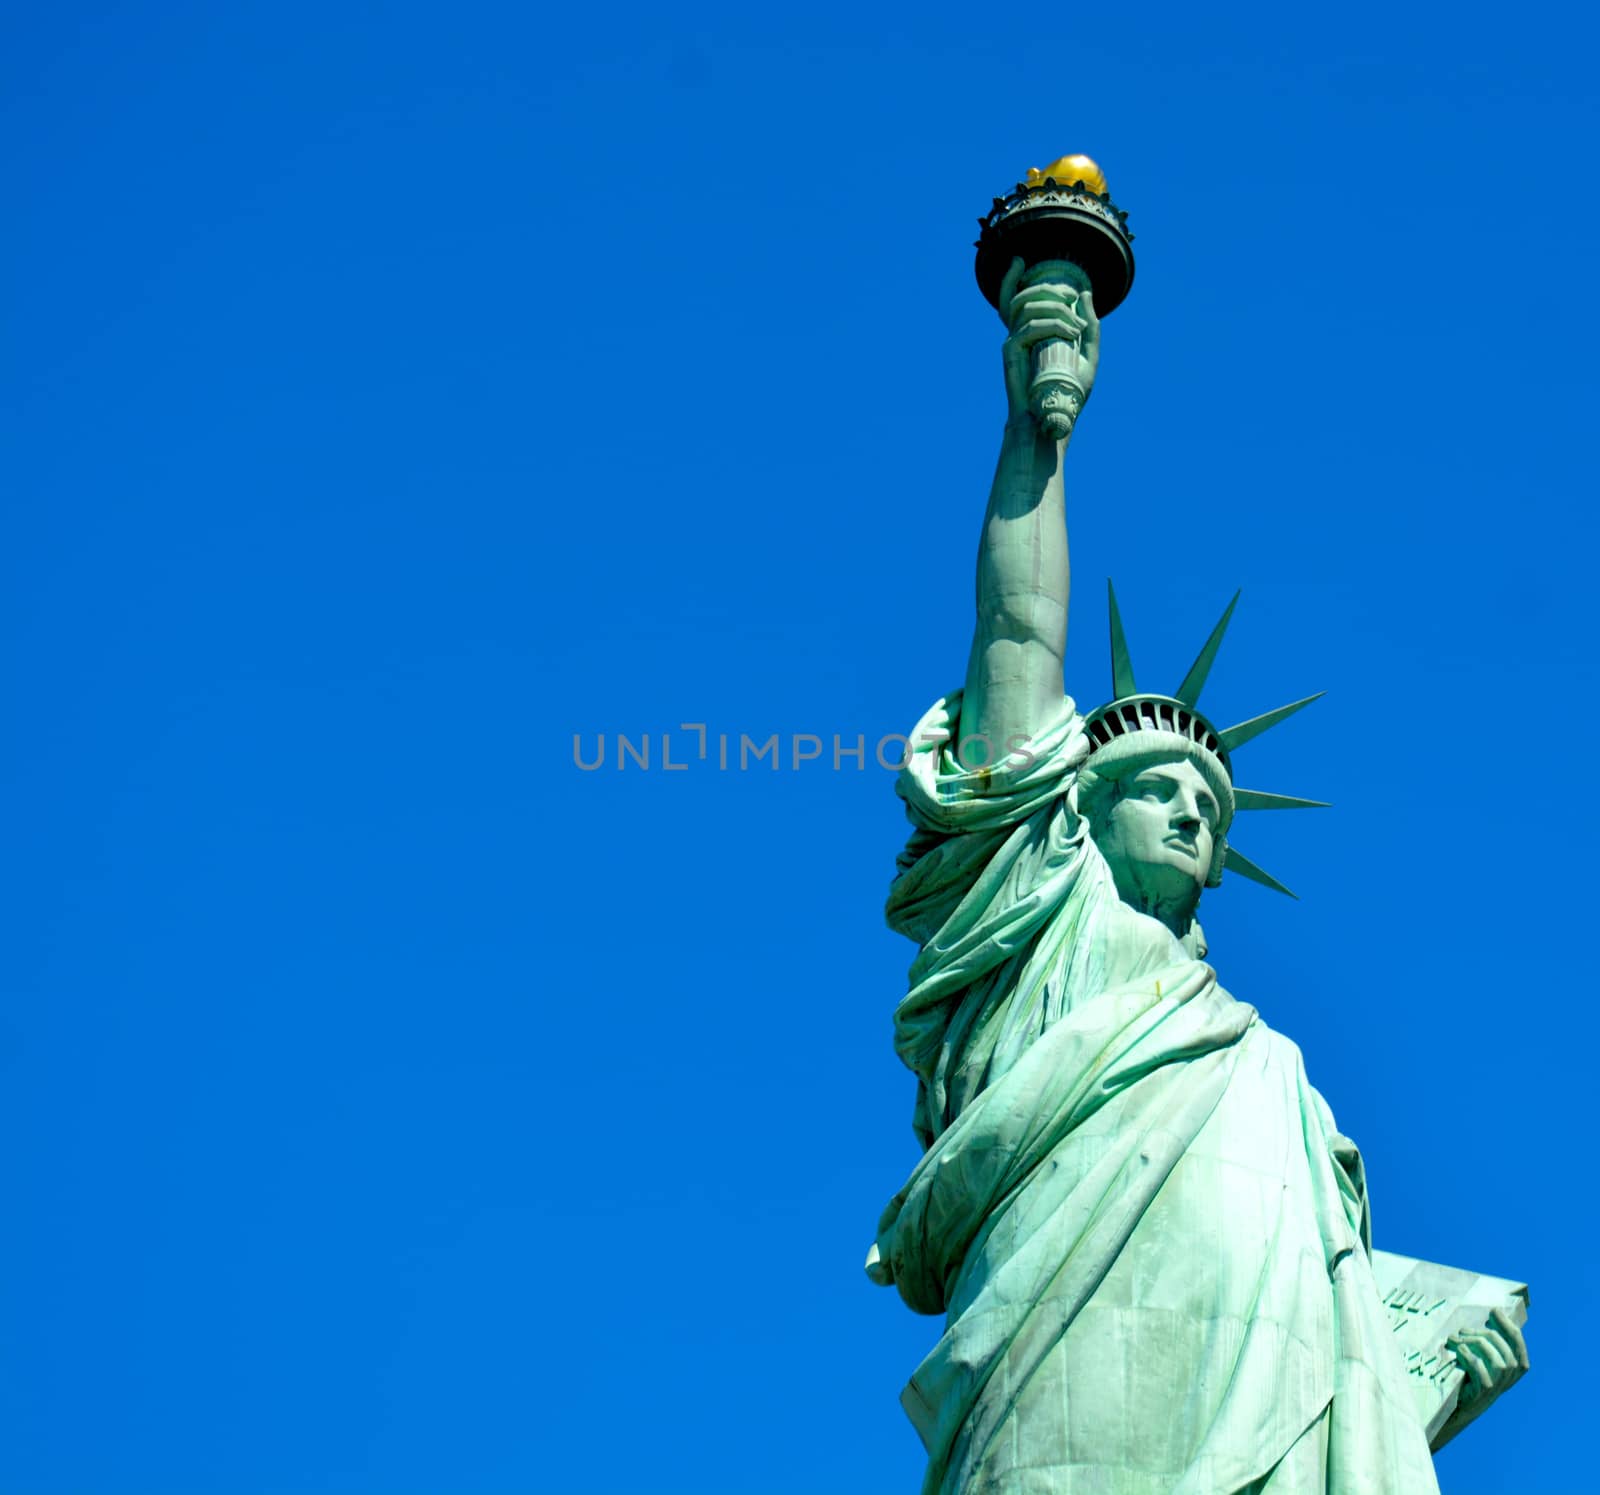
x=1494, y=1358
x=1050, y=301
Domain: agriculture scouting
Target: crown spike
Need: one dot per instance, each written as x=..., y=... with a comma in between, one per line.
x=1238, y=735
x=1121, y=664
x=1195, y=681
x=1236, y=861
x=1259, y=799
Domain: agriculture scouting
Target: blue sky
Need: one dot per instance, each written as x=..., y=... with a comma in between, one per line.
x=393, y=392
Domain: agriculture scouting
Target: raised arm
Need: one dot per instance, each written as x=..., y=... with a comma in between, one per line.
x=1014, y=680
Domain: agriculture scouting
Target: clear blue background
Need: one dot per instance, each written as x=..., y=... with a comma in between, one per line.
x=394, y=391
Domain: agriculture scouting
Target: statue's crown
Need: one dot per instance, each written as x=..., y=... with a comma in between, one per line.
x=1134, y=725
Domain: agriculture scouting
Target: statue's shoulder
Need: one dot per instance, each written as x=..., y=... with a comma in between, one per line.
x=1285, y=1051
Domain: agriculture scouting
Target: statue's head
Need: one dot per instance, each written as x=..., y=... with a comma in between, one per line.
x=1160, y=822
x=1157, y=787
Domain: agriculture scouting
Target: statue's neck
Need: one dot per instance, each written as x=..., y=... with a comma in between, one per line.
x=1178, y=914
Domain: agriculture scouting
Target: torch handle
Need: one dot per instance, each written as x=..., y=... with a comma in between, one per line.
x=1056, y=392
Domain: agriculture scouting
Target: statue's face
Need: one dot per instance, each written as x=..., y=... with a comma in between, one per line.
x=1159, y=833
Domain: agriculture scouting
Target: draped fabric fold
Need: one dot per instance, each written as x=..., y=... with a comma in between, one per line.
x=1146, y=1235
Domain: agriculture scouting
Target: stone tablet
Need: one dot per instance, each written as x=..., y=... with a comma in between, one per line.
x=1427, y=1304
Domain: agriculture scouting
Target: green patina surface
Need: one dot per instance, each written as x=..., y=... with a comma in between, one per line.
x=1147, y=1236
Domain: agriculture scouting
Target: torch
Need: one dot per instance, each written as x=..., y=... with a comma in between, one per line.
x=1063, y=212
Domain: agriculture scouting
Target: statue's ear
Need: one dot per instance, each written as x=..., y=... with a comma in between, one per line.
x=1219, y=855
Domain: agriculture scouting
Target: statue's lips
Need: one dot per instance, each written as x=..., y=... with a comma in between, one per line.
x=1182, y=843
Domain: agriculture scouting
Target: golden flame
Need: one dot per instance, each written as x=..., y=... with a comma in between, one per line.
x=1070, y=169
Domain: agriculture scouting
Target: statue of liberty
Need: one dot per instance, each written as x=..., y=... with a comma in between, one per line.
x=1150, y=1243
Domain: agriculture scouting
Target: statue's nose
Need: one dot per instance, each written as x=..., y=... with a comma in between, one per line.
x=1186, y=810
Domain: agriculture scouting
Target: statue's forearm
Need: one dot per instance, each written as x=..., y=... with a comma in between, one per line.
x=1014, y=680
